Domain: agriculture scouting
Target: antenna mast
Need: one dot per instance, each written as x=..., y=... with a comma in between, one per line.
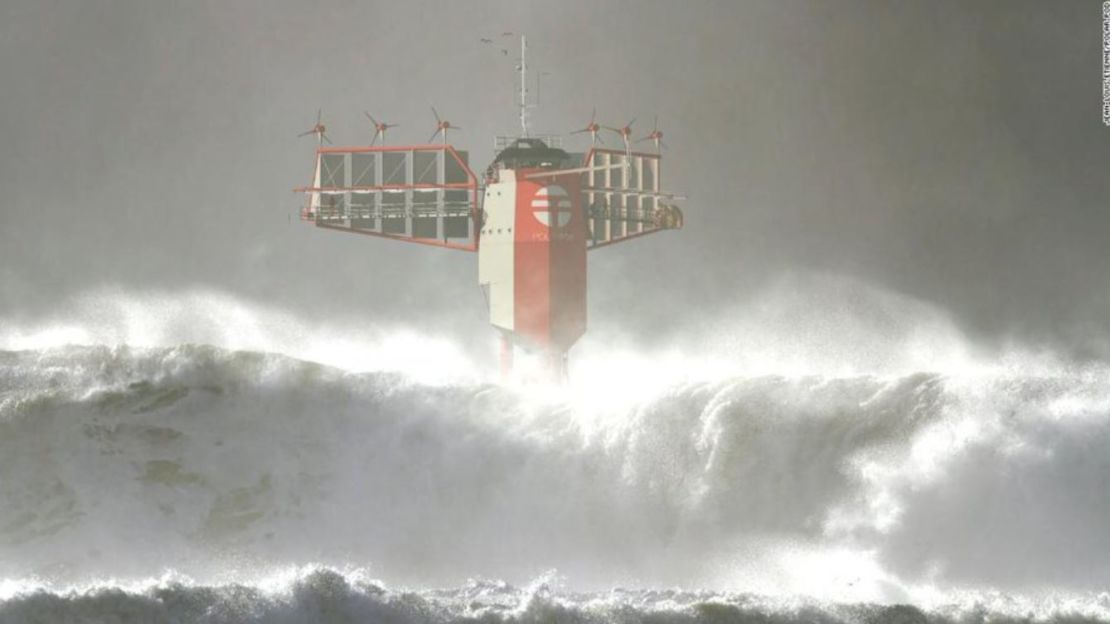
x=524, y=85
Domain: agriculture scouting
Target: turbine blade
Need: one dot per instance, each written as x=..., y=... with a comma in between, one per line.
x=434, y=135
x=434, y=112
x=325, y=137
x=305, y=133
x=319, y=112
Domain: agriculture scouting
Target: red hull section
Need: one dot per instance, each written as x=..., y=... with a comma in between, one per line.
x=549, y=259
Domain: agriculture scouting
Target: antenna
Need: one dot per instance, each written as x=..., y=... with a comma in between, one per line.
x=524, y=86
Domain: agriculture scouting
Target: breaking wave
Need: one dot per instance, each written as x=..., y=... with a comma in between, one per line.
x=323, y=595
x=209, y=483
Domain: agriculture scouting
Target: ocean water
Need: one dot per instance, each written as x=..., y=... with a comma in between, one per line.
x=150, y=480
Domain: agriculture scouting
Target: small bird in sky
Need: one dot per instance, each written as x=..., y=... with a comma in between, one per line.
x=484, y=40
x=504, y=51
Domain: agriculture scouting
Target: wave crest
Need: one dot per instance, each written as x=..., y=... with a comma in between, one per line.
x=119, y=460
x=325, y=595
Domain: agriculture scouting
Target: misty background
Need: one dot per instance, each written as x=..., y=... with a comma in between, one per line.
x=949, y=152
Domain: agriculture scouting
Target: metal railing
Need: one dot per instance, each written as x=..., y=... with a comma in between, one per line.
x=551, y=140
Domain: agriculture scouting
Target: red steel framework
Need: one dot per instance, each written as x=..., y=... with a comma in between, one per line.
x=541, y=217
x=537, y=208
x=471, y=185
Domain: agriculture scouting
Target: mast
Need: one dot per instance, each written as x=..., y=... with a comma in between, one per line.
x=524, y=85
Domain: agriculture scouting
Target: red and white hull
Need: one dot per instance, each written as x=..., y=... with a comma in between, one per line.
x=532, y=260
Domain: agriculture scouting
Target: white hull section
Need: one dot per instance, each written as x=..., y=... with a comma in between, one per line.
x=495, y=255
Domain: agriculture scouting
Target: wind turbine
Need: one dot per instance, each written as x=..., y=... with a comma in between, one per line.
x=319, y=130
x=626, y=134
x=656, y=136
x=443, y=126
x=593, y=128
x=379, y=128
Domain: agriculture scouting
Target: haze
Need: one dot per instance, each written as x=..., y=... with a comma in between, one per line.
x=952, y=152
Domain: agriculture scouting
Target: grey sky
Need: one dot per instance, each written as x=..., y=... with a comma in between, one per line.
x=951, y=151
